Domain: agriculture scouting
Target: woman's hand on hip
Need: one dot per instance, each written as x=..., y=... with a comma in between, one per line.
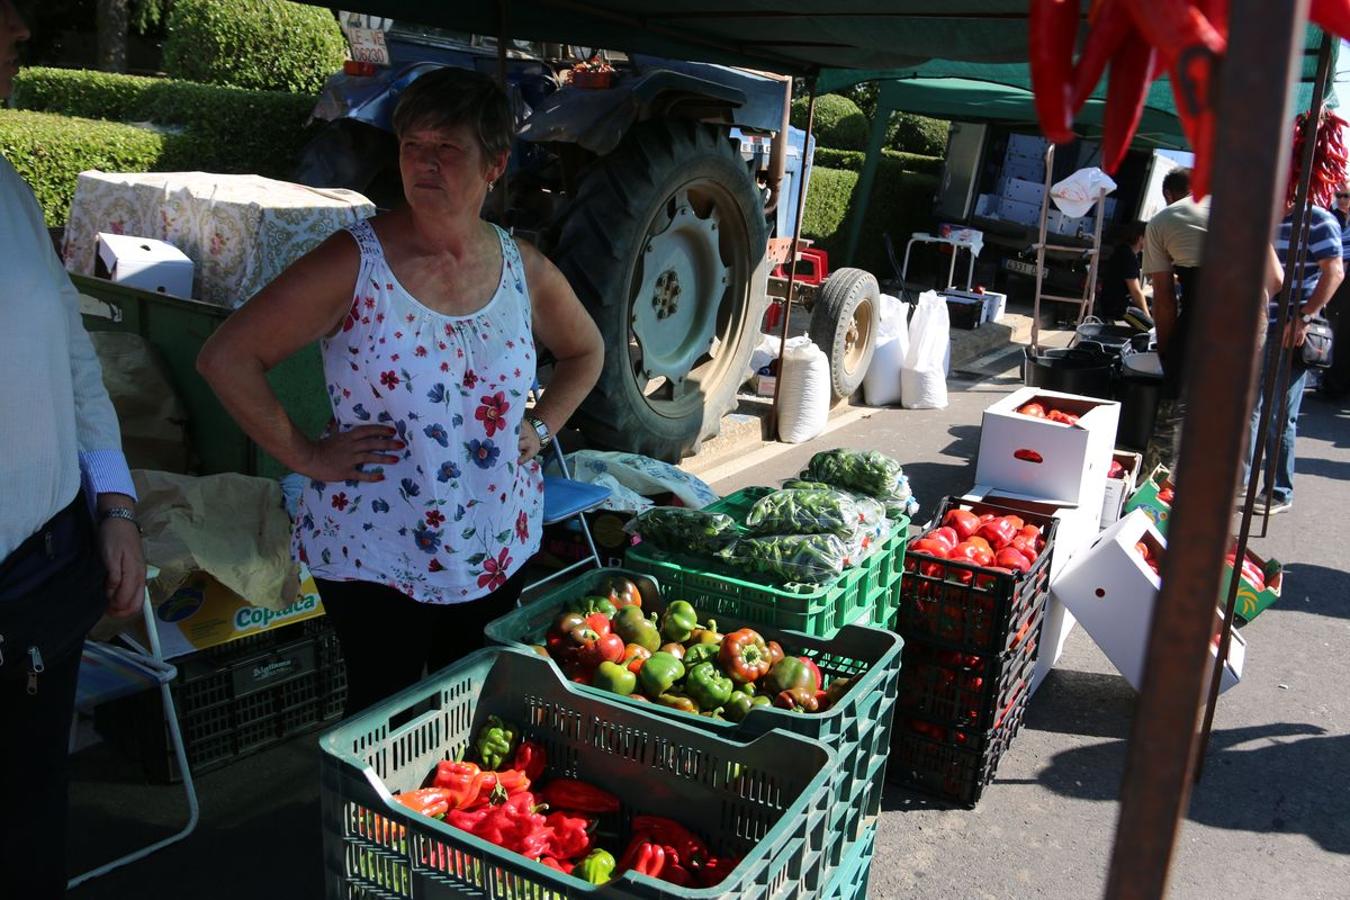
x=528, y=442
x=339, y=457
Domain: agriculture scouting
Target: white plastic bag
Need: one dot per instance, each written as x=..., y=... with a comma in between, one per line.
x=804, y=395
x=765, y=352
x=881, y=384
x=1076, y=194
x=923, y=378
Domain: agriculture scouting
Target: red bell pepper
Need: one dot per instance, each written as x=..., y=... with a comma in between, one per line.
x=669, y=833
x=1052, y=31
x=569, y=836
x=999, y=533
x=463, y=781
x=563, y=867
x=1332, y=15
x=1132, y=71
x=432, y=802
x=530, y=758
x=930, y=546
x=815, y=670
x=497, y=787
x=1010, y=557
x=1111, y=26
x=599, y=623
x=634, y=655
x=578, y=796
x=1025, y=546
x=944, y=535
x=643, y=857
x=962, y=521
x=714, y=871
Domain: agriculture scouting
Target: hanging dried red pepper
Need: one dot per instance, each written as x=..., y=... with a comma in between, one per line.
x=1052, y=31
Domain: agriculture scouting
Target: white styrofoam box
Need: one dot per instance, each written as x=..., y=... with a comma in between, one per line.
x=987, y=206
x=994, y=302
x=1118, y=490
x=1043, y=460
x=1021, y=167
x=144, y=263
x=1021, y=213
x=1028, y=146
x=1076, y=531
x=1024, y=191
x=1112, y=592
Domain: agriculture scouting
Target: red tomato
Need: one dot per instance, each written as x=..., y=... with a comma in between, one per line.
x=1033, y=409
x=1116, y=470
x=1142, y=549
x=1166, y=495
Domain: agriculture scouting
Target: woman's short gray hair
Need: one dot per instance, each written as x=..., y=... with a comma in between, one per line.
x=447, y=98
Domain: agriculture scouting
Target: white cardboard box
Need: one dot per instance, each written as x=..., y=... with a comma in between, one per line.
x=1043, y=460
x=1024, y=191
x=1027, y=146
x=1021, y=213
x=144, y=263
x=1120, y=489
x=1076, y=532
x=1112, y=591
x=1024, y=168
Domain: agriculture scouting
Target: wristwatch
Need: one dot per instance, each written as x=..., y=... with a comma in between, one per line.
x=540, y=429
x=1306, y=317
x=120, y=512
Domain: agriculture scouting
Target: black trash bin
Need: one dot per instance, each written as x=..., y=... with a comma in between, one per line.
x=1113, y=338
x=1140, y=387
x=1077, y=370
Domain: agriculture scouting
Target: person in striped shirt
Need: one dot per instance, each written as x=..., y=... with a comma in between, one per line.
x=1313, y=285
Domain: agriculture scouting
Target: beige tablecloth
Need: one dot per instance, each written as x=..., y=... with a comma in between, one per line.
x=240, y=231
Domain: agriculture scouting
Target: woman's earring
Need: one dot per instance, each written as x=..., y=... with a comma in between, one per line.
x=491, y=185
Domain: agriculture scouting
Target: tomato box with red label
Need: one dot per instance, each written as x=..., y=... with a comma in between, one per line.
x=1047, y=445
x=1121, y=479
x=1154, y=497
x=1261, y=583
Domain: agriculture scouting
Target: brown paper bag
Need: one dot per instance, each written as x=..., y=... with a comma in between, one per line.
x=153, y=419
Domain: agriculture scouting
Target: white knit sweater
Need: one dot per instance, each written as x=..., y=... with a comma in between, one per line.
x=56, y=420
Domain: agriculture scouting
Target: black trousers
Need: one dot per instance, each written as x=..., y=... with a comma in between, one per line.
x=1336, y=380
x=52, y=613
x=389, y=640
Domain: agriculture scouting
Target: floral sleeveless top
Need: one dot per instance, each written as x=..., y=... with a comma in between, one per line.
x=457, y=515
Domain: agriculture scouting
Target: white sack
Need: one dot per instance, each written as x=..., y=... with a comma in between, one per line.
x=1076, y=194
x=923, y=378
x=804, y=395
x=881, y=384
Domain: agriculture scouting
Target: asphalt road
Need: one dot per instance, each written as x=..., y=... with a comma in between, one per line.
x=1271, y=818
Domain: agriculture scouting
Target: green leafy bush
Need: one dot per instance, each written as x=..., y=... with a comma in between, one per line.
x=901, y=203
x=218, y=129
x=853, y=160
x=264, y=45
x=839, y=123
x=917, y=134
x=50, y=151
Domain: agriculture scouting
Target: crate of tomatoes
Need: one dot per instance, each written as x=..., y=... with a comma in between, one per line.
x=496, y=777
x=616, y=636
x=976, y=575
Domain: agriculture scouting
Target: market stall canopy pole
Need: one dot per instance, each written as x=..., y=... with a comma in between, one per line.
x=881, y=117
x=1298, y=249
x=792, y=265
x=1249, y=180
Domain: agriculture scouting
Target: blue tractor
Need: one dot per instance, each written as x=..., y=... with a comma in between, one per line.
x=657, y=197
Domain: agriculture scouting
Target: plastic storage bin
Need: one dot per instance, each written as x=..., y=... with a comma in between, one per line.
x=766, y=800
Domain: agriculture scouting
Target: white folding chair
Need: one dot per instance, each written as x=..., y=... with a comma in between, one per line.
x=107, y=672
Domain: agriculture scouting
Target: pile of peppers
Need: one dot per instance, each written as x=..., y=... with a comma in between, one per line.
x=1140, y=40
x=680, y=662
x=504, y=799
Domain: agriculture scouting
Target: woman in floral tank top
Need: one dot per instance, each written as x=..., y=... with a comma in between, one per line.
x=424, y=498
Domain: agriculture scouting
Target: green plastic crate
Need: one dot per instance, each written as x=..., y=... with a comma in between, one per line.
x=850, y=882
x=818, y=609
x=858, y=728
x=765, y=800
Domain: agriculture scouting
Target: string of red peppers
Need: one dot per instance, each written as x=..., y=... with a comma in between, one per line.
x=1139, y=40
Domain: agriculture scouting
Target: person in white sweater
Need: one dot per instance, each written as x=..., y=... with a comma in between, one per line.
x=70, y=547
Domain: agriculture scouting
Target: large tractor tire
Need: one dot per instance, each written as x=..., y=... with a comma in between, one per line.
x=665, y=245
x=844, y=323
x=356, y=156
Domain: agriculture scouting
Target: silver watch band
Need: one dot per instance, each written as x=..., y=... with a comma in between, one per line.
x=119, y=512
x=541, y=430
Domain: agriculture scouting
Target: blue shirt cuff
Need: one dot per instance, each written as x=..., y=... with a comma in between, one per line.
x=106, y=472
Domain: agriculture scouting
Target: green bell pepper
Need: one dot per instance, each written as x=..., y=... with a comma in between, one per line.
x=790, y=672
x=596, y=868
x=614, y=678
x=496, y=743
x=592, y=604
x=635, y=628
x=699, y=653
x=659, y=673
x=679, y=621
x=740, y=704
x=707, y=686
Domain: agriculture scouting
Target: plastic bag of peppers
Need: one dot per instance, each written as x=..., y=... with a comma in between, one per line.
x=681, y=661
x=507, y=798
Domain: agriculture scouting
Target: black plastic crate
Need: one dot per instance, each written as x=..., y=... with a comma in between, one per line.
x=960, y=688
x=965, y=606
x=943, y=769
x=235, y=699
x=964, y=314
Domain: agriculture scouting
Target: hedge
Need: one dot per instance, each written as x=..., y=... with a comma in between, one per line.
x=49, y=151
x=853, y=160
x=901, y=203
x=223, y=129
x=838, y=123
x=265, y=45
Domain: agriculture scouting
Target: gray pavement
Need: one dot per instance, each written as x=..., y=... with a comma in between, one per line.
x=1270, y=819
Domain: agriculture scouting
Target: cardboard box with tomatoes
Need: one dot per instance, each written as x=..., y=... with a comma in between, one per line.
x=1112, y=589
x=1154, y=496
x=1260, y=584
x=1122, y=478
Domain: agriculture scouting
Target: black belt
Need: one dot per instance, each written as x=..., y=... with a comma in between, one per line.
x=52, y=547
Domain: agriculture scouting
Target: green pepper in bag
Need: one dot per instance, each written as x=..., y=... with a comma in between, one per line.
x=684, y=530
x=804, y=511
x=679, y=621
x=496, y=743
x=707, y=686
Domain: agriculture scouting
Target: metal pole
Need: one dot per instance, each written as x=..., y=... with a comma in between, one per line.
x=1264, y=46
x=881, y=116
x=792, y=262
x=1297, y=250
x=1040, y=254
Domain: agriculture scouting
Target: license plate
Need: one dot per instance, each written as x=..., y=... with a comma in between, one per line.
x=1021, y=268
x=368, y=46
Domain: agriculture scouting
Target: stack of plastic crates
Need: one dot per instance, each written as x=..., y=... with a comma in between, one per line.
x=866, y=593
x=971, y=637
x=765, y=801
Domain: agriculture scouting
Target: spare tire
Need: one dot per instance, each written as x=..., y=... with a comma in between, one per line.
x=665, y=244
x=844, y=323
